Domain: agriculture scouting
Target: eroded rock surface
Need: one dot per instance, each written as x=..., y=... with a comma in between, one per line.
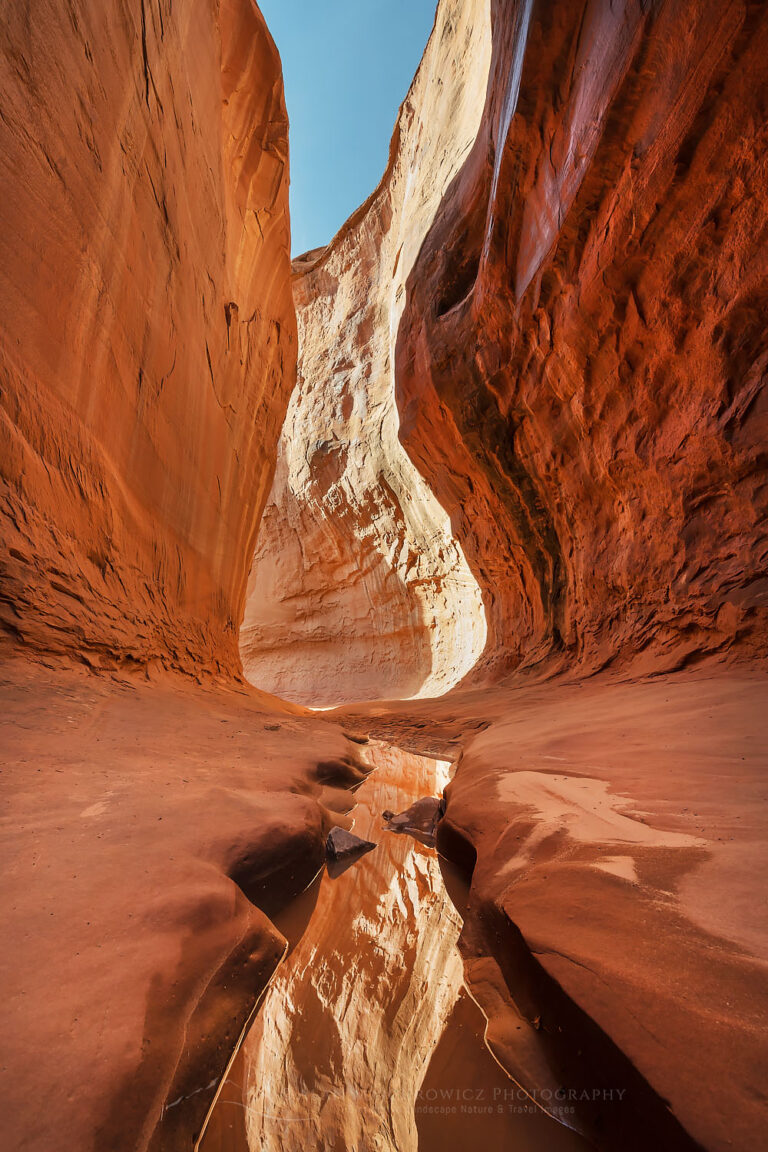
x=616, y=839
x=359, y=588
x=147, y=334
x=149, y=831
x=581, y=361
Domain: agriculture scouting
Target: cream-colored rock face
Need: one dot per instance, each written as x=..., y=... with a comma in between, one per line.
x=358, y=588
x=344, y=1038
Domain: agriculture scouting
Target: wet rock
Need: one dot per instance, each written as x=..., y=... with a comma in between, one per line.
x=419, y=821
x=343, y=849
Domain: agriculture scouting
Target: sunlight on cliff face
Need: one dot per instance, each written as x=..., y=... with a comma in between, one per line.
x=359, y=589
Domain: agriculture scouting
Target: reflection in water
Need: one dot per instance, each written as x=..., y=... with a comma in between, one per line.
x=340, y=1056
x=347, y=1030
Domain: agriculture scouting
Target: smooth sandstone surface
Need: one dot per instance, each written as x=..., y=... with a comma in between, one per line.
x=147, y=333
x=359, y=588
x=616, y=834
x=148, y=832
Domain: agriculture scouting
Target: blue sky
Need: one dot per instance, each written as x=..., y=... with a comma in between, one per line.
x=348, y=65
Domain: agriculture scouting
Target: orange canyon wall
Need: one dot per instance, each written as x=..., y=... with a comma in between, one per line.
x=582, y=359
x=563, y=293
x=147, y=331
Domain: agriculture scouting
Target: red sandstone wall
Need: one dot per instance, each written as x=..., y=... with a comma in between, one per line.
x=147, y=333
x=582, y=359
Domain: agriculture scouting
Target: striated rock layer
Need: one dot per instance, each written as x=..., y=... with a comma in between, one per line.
x=582, y=357
x=147, y=333
x=359, y=588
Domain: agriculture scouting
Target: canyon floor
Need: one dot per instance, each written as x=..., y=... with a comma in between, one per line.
x=621, y=845
x=131, y=896
x=619, y=832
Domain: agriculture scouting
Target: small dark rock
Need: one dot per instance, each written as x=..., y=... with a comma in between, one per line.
x=343, y=849
x=419, y=821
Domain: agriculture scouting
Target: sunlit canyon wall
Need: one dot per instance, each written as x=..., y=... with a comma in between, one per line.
x=359, y=588
x=147, y=333
x=563, y=281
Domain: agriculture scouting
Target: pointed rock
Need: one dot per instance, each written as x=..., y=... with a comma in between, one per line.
x=343, y=848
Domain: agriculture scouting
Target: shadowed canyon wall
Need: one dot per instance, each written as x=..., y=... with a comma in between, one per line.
x=147, y=333
x=359, y=588
x=582, y=358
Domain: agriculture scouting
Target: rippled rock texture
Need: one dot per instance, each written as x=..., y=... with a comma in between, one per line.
x=147, y=333
x=582, y=355
x=359, y=588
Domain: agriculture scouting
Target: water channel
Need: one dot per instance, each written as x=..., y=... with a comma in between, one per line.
x=367, y=1039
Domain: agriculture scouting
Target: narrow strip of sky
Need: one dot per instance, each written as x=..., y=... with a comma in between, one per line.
x=348, y=65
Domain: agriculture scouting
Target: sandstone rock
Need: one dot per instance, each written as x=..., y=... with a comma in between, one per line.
x=614, y=832
x=528, y=437
x=420, y=820
x=343, y=849
x=581, y=360
x=147, y=830
x=147, y=333
x=564, y=293
x=359, y=588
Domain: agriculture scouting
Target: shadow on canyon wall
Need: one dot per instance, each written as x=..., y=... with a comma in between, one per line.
x=581, y=361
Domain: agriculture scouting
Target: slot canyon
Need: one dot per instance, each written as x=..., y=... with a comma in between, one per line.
x=384, y=632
